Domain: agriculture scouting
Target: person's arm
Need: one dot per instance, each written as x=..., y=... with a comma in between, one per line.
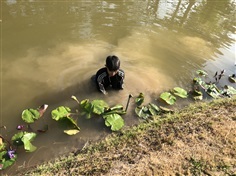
x=121, y=77
x=100, y=82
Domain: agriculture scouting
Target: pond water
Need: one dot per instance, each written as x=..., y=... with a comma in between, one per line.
x=50, y=49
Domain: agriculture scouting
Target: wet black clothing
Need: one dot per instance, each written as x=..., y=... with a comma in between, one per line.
x=103, y=80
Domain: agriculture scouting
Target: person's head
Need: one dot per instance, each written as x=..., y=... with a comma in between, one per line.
x=112, y=64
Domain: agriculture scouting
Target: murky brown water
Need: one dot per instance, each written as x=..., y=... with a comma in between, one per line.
x=51, y=49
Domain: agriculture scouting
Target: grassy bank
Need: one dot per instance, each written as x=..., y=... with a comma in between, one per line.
x=197, y=140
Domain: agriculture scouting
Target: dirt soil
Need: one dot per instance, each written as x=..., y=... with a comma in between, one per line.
x=198, y=140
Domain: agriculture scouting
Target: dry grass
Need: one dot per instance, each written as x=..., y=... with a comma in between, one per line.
x=198, y=140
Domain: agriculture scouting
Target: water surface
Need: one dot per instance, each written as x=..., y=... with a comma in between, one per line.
x=50, y=49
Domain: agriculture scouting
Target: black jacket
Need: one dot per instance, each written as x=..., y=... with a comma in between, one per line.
x=103, y=80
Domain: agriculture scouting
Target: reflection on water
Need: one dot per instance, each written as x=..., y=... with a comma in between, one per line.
x=51, y=49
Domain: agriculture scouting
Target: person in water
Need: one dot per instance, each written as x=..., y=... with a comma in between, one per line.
x=110, y=76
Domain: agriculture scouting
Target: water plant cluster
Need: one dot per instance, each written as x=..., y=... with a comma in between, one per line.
x=112, y=115
x=200, y=89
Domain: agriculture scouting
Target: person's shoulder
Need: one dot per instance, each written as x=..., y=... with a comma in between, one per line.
x=120, y=70
x=121, y=73
x=101, y=71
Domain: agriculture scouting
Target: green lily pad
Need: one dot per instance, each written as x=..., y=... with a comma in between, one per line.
x=201, y=73
x=60, y=112
x=16, y=138
x=87, y=108
x=115, y=121
x=213, y=91
x=117, y=109
x=98, y=106
x=168, y=98
x=140, y=99
x=232, y=78
x=5, y=161
x=74, y=98
x=230, y=90
x=30, y=115
x=24, y=138
x=180, y=92
x=73, y=122
x=142, y=112
x=72, y=131
x=153, y=109
x=165, y=110
x=197, y=95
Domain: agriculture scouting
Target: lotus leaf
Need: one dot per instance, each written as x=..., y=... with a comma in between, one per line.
x=114, y=120
x=230, y=90
x=2, y=144
x=98, y=106
x=200, y=82
x=166, y=110
x=30, y=115
x=72, y=131
x=63, y=114
x=142, y=112
x=140, y=99
x=2, y=154
x=60, y=112
x=87, y=108
x=118, y=109
x=74, y=98
x=153, y=109
x=180, y=92
x=71, y=120
x=232, y=78
x=24, y=138
x=197, y=95
x=168, y=98
x=84, y=103
x=213, y=91
x=197, y=80
x=5, y=161
x=17, y=138
x=201, y=73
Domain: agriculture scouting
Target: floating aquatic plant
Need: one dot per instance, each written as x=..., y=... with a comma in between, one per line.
x=24, y=138
x=168, y=98
x=8, y=156
x=232, y=78
x=139, y=99
x=62, y=113
x=115, y=121
x=201, y=73
x=180, y=92
x=31, y=115
x=211, y=88
x=99, y=107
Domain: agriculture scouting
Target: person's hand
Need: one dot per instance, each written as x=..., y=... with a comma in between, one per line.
x=104, y=92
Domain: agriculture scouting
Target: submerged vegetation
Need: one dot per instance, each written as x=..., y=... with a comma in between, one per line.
x=112, y=115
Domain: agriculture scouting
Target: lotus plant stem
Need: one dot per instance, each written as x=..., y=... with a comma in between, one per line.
x=127, y=105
